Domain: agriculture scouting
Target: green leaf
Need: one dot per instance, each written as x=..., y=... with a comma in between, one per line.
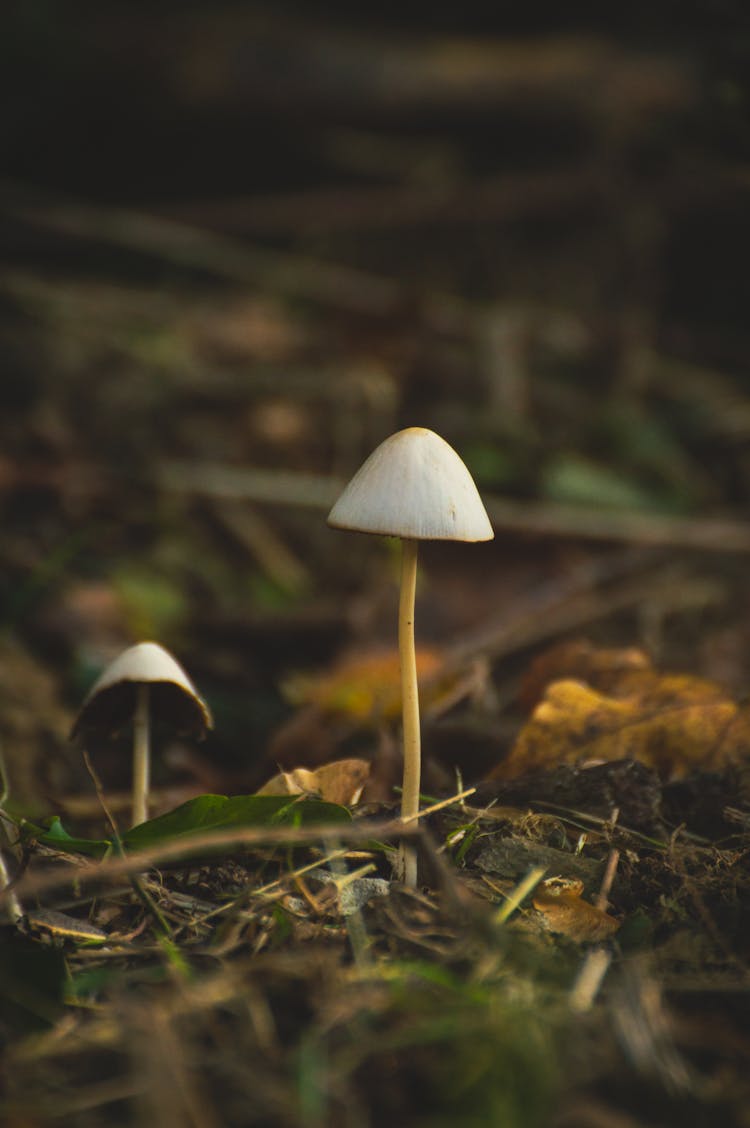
x=574, y=480
x=198, y=816
x=53, y=833
x=217, y=812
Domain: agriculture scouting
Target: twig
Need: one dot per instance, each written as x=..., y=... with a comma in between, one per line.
x=439, y=806
x=363, y=209
x=589, y=979
x=572, y=612
x=211, y=842
x=139, y=889
x=272, y=487
x=263, y=542
x=597, y=961
x=196, y=249
x=531, y=518
x=708, y=534
x=355, y=923
x=602, y=897
x=98, y=787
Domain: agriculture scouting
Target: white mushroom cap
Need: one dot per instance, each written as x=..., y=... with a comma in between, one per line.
x=110, y=702
x=413, y=485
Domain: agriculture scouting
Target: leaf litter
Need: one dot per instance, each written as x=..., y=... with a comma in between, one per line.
x=282, y=977
x=159, y=400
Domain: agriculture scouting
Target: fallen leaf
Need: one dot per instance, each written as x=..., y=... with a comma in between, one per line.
x=581, y=660
x=670, y=722
x=340, y=782
x=366, y=687
x=195, y=818
x=566, y=912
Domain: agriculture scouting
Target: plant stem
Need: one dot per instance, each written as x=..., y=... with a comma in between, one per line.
x=12, y=907
x=141, y=755
x=410, y=702
x=165, y=936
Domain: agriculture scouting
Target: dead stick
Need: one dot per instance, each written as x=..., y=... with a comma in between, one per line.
x=187, y=846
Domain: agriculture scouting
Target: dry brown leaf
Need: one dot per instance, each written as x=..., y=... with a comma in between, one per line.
x=565, y=911
x=577, y=658
x=339, y=782
x=653, y=688
x=368, y=686
x=671, y=722
x=735, y=744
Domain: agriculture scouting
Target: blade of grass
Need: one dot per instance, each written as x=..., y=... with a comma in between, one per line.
x=519, y=894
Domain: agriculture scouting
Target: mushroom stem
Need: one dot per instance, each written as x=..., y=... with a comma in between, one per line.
x=12, y=907
x=141, y=754
x=410, y=702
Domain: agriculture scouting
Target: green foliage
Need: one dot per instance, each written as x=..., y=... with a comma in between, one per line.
x=154, y=605
x=52, y=833
x=491, y=463
x=453, y=1052
x=217, y=812
x=571, y=479
x=463, y=838
x=201, y=815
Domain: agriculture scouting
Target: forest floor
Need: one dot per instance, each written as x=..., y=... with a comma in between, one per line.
x=222, y=284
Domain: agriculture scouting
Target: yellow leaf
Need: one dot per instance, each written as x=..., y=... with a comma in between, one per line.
x=670, y=722
x=565, y=911
x=578, y=659
x=367, y=687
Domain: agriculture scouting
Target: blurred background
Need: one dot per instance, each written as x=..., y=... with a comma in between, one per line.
x=241, y=243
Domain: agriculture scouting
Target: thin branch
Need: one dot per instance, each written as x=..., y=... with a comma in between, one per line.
x=194, y=844
x=530, y=518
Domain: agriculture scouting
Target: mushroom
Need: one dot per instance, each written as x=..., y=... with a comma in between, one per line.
x=143, y=679
x=413, y=486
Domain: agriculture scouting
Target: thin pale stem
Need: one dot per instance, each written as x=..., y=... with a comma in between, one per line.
x=12, y=906
x=410, y=702
x=141, y=755
x=13, y=909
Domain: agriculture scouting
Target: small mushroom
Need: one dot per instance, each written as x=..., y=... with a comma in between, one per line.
x=144, y=679
x=413, y=486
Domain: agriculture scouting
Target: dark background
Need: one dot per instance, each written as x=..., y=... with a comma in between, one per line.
x=250, y=239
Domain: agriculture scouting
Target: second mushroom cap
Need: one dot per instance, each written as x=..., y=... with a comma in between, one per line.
x=111, y=700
